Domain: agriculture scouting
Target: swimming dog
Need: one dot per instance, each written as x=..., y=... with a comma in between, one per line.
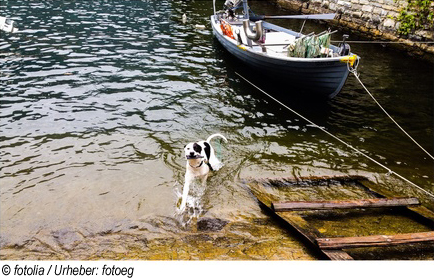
x=201, y=159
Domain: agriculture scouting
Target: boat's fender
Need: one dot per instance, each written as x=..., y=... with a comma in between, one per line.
x=226, y=29
x=351, y=60
x=255, y=36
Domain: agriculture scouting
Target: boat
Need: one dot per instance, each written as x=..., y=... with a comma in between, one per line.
x=308, y=63
x=8, y=25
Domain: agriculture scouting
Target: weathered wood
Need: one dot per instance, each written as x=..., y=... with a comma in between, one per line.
x=343, y=204
x=375, y=240
x=314, y=180
x=423, y=212
x=337, y=255
x=311, y=234
x=420, y=210
x=295, y=222
x=301, y=226
x=328, y=246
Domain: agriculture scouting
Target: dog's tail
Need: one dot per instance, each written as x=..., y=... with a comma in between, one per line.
x=215, y=135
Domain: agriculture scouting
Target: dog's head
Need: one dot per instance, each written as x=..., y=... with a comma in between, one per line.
x=197, y=150
x=193, y=151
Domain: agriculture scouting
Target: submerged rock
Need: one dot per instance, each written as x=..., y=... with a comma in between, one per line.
x=211, y=224
x=67, y=238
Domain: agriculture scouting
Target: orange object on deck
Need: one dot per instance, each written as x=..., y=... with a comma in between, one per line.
x=226, y=29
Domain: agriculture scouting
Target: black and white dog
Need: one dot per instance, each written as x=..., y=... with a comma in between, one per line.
x=201, y=159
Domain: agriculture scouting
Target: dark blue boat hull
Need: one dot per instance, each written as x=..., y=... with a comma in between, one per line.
x=320, y=77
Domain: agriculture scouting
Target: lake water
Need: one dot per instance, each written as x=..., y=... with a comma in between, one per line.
x=98, y=99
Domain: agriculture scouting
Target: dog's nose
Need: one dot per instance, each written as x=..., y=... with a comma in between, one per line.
x=191, y=154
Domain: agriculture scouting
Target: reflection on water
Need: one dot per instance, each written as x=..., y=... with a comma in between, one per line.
x=98, y=99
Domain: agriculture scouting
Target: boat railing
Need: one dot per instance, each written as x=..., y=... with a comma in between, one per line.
x=303, y=46
x=306, y=46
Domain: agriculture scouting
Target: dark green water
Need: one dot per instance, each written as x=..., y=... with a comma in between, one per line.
x=98, y=99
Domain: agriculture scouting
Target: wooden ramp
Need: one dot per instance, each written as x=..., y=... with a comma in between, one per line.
x=269, y=191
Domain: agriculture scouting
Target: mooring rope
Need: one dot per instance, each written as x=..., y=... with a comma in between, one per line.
x=380, y=42
x=356, y=74
x=389, y=171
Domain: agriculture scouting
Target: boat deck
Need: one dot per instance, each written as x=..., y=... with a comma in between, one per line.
x=275, y=44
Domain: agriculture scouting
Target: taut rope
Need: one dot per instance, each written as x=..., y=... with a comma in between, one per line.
x=389, y=171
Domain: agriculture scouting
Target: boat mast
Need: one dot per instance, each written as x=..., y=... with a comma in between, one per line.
x=246, y=9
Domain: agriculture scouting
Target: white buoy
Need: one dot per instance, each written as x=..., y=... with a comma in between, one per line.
x=199, y=26
x=184, y=18
x=7, y=25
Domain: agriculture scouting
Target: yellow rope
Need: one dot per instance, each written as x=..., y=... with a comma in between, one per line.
x=380, y=42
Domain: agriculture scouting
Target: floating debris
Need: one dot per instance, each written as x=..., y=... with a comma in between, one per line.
x=199, y=26
x=8, y=25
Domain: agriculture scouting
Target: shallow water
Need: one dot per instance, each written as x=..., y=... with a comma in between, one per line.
x=99, y=98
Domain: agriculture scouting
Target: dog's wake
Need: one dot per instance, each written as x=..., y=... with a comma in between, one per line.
x=194, y=204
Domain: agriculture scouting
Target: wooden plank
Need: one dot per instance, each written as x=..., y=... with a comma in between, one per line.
x=311, y=234
x=294, y=221
x=315, y=180
x=260, y=188
x=375, y=240
x=343, y=204
x=337, y=255
x=424, y=212
x=302, y=227
x=420, y=211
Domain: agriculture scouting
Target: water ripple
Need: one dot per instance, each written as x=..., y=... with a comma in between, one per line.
x=98, y=99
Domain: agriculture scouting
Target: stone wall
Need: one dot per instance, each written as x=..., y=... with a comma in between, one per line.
x=372, y=19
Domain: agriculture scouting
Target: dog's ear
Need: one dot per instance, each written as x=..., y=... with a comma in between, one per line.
x=197, y=148
x=207, y=150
